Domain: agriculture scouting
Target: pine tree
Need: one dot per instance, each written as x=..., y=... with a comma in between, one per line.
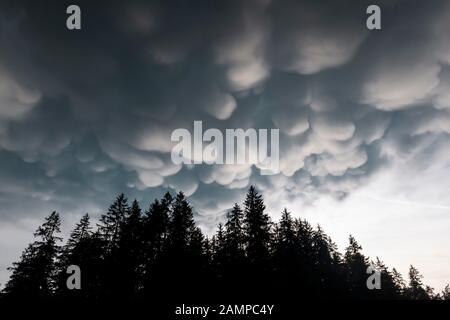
x=356, y=265
x=180, y=225
x=258, y=239
x=415, y=289
x=220, y=257
x=390, y=283
x=165, y=253
x=234, y=250
x=305, y=253
x=399, y=283
x=234, y=232
x=185, y=246
x=110, y=232
x=81, y=232
x=257, y=228
x=112, y=222
x=446, y=293
x=285, y=253
x=83, y=249
x=34, y=275
x=155, y=233
x=324, y=268
x=130, y=250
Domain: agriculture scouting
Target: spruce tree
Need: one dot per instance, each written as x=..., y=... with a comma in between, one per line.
x=356, y=265
x=234, y=240
x=257, y=228
x=390, y=289
x=185, y=246
x=130, y=250
x=446, y=293
x=285, y=257
x=258, y=238
x=415, y=289
x=112, y=222
x=155, y=233
x=110, y=231
x=35, y=274
x=83, y=249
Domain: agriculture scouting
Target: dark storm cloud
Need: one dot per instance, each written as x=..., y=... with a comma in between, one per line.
x=85, y=114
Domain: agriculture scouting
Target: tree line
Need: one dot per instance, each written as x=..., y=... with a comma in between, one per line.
x=161, y=253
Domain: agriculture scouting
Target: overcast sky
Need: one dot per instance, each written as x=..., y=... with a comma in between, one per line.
x=364, y=116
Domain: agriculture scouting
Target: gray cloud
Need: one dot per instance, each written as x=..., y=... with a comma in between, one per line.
x=89, y=113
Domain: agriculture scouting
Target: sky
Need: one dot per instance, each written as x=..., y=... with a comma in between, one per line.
x=364, y=115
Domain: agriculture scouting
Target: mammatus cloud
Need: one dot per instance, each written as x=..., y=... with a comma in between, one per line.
x=87, y=113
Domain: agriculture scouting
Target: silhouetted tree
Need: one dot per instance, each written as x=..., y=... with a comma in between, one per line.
x=446, y=293
x=356, y=269
x=83, y=249
x=399, y=283
x=285, y=253
x=34, y=275
x=220, y=256
x=234, y=236
x=415, y=289
x=184, y=246
x=257, y=227
x=234, y=247
x=163, y=253
x=155, y=233
x=110, y=231
x=130, y=250
x=305, y=251
x=327, y=268
x=391, y=283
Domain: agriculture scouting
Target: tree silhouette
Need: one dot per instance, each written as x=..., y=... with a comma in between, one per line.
x=34, y=275
x=415, y=289
x=130, y=250
x=257, y=230
x=184, y=246
x=110, y=231
x=162, y=254
x=285, y=254
x=83, y=249
x=155, y=233
x=446, y=293
x=234, y=239
x=356, y=267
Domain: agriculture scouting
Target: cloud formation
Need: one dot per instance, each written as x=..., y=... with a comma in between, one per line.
x=87, y=113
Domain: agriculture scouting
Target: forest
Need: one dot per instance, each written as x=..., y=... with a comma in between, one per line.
x=160, y=253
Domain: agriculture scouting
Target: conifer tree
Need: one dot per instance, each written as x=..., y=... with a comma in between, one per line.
x=220, y=253
x=234, y=239
x=83, y=249
x=324, y=268
x=155, y=233
x=446, y=293
x=257, y=228
x=184, y=248
x=131, y=249
x=110, y=232
x=112, y=222
x=34, y=275
x=164, y=252
x=415, y=289
x=234, y=232
x=356, y=265
x=285, y=253
x=391, y=289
